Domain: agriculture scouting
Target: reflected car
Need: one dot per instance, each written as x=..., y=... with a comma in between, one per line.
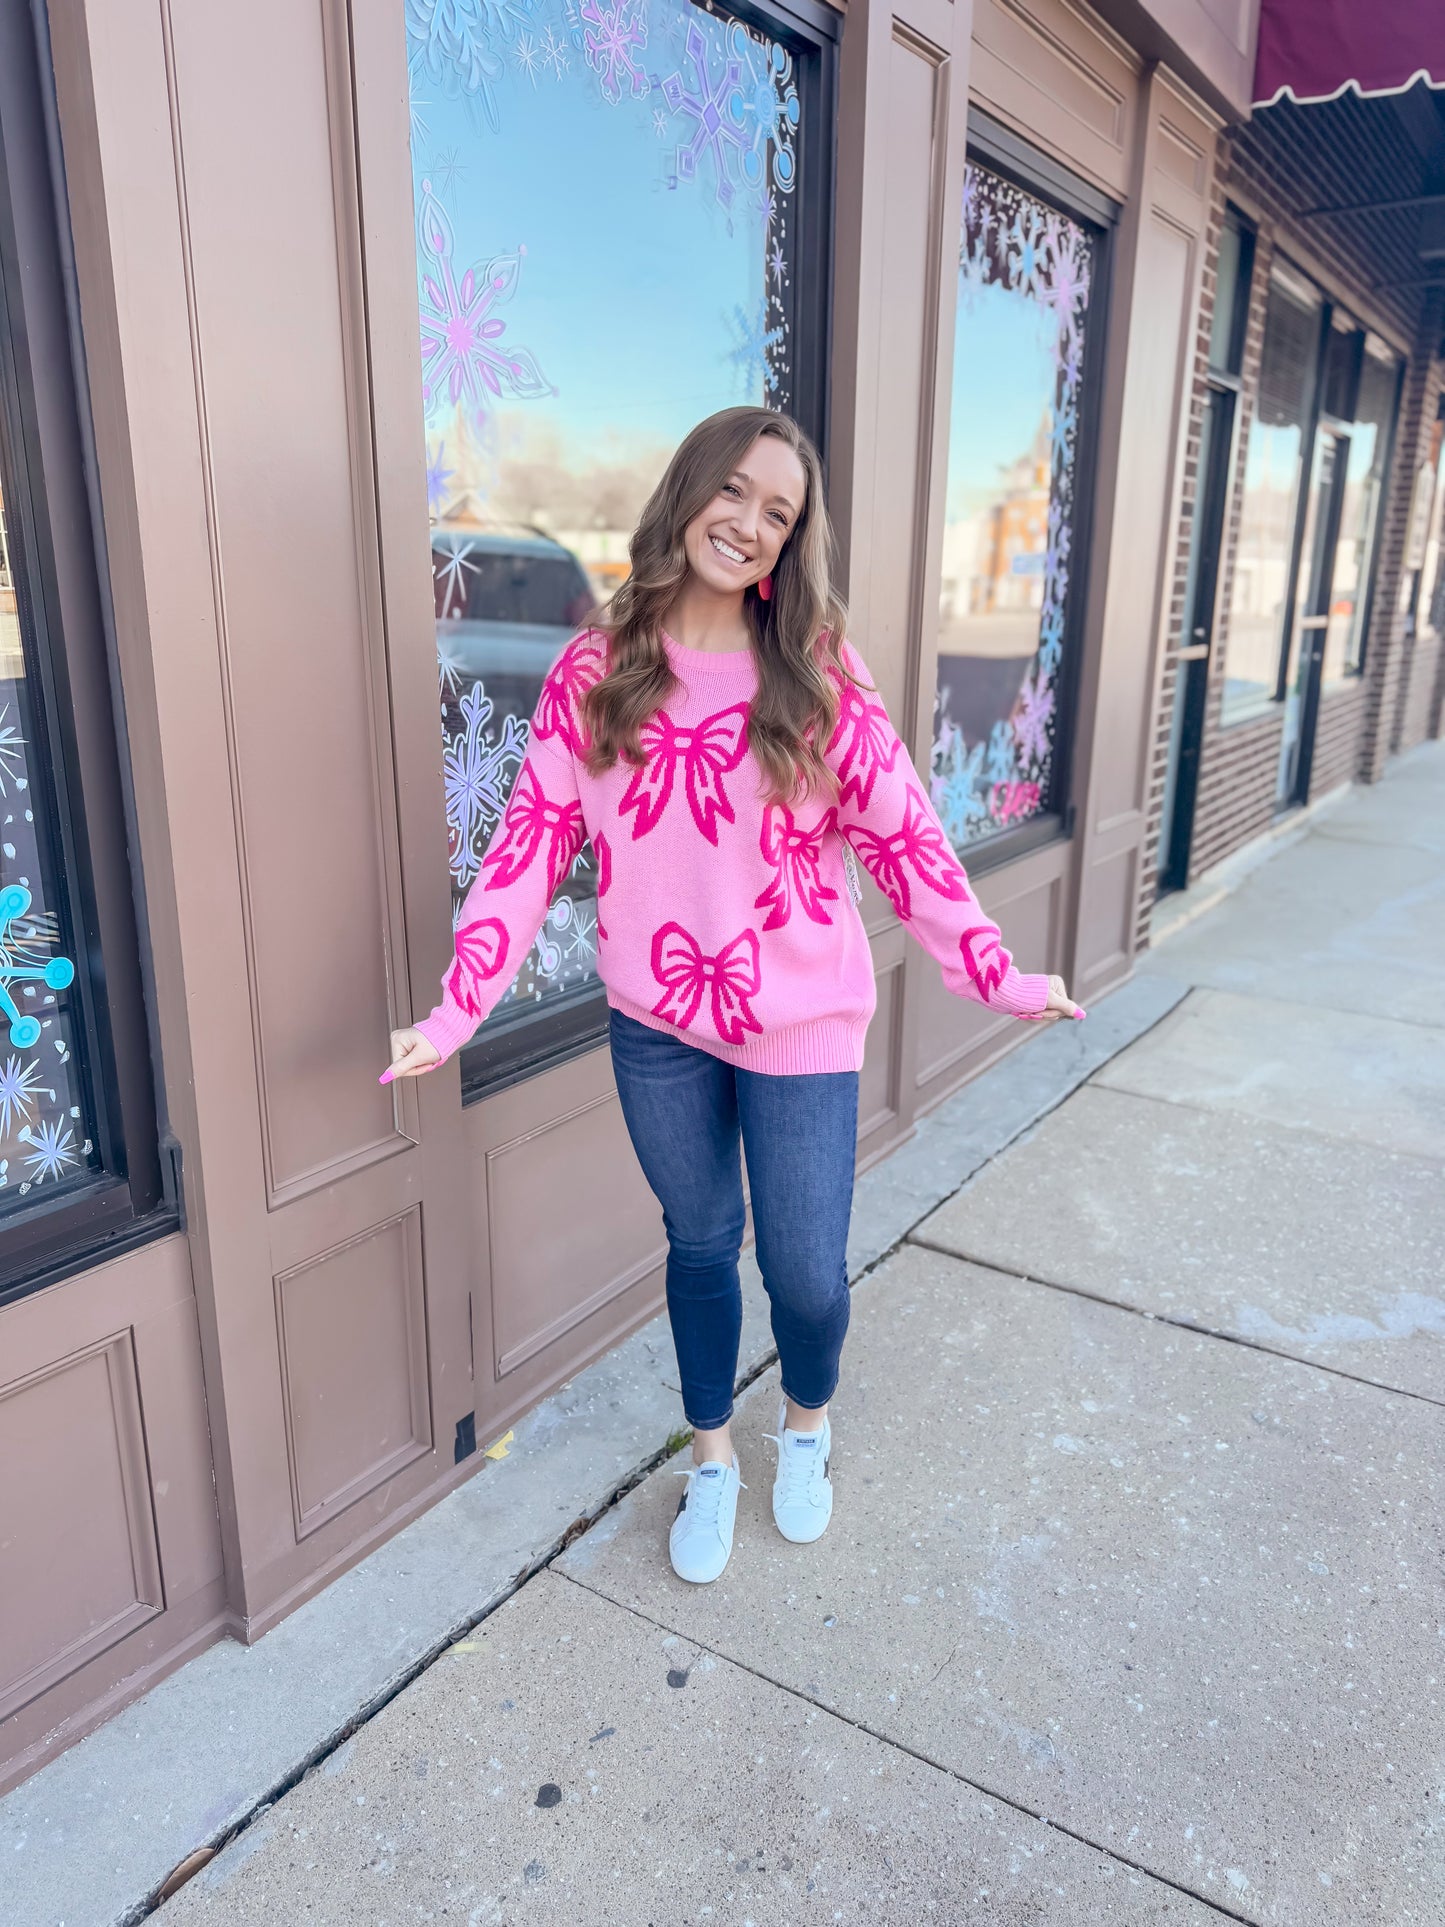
x=507, y=602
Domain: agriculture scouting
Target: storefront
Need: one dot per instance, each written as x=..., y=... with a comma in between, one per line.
x=1306, y=645
x=369, y=328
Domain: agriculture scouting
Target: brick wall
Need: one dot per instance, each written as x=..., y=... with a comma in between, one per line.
x=1420, y=705
x=1288, y=158
x=1388, y=675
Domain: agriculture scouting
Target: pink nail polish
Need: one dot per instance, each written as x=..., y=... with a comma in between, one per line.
x=386, y=1077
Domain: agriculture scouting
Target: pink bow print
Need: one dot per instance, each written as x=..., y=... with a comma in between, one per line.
x=481, y=951
x=531, y=817
x=984, y=958
x=687, y=975
x=706, y=754
x=559, y=707
x=602, y=850
x=921, y=845
x=797, y=855
x=870, y=745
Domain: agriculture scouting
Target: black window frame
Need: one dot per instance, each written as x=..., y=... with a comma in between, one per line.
x=1003, y=152
x=52, y=507
x=1260, y=707
x=1217, y=471
x=576, y=1022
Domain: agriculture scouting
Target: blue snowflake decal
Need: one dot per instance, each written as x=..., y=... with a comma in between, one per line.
x=756, y=342
x=19, y=963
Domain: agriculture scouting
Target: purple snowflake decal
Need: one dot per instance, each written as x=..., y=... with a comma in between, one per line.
x=437, y=478
x=613, y=35
x=462, y=356
x=714, y=103
x=1031, y=719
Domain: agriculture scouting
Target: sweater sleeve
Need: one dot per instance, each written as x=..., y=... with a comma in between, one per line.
x=532, y=849
x=886, y=816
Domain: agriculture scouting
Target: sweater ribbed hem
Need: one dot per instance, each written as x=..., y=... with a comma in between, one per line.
x=825, y=1044
x=1021, y=994
x=447, y=1030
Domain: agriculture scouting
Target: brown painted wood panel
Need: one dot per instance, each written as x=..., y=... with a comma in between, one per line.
x=878, y=1084
x=105, y=1493
x=569, y=1225
x=351, y=1325
x=268, y=283
x=1152, y=331
x=1062, y=79
x=955, y=1036
x=79, y=1555
x=915, y=102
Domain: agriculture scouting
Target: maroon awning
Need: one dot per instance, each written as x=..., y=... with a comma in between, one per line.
x=1315, y=49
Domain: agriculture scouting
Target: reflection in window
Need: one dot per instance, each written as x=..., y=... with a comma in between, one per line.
x=1359, y=515
x=1260, y=584
x=45, y=1140
x=605, y=211
x=1024, y=279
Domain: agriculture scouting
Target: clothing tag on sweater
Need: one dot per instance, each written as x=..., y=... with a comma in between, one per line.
x=850, y=864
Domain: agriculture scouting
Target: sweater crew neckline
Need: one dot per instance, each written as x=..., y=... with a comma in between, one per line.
x=706, y=662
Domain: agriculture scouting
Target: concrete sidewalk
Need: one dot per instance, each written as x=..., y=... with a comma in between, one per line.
x=1131, y=1609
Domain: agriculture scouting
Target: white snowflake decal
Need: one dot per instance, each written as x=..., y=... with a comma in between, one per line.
x=477, y=772
x=54, y=1149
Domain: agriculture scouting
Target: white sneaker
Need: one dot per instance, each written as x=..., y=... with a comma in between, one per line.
x=802, y=1490
x=702, y=1530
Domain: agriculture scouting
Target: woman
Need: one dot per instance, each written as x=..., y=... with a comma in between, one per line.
x=724, y=750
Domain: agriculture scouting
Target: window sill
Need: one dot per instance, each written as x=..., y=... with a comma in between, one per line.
x=1010, y=845
x=553, y=1037
x=1252, y=713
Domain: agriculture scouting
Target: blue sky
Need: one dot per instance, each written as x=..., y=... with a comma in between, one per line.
x=628, y=287
x=1003, y=376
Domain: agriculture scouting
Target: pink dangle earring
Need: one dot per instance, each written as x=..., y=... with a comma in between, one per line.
x=765, y=588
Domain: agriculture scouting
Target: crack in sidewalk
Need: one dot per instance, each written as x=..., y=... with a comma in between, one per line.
x=913, y=1752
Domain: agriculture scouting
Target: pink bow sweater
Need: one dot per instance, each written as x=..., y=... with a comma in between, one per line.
x=723, y=918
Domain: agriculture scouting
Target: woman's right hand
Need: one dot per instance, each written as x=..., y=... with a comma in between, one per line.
x=411, y=1054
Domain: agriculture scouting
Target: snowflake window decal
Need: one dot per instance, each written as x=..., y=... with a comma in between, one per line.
x=613, y=37
x=1010, y=240
x=20, y=963
x=462, y=354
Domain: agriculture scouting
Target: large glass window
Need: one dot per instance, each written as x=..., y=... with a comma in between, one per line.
x=1010, y=577
x=80, y=1166
x=1259, y=592
x=1363, y=480
x=46, y=1133
x=614, y=240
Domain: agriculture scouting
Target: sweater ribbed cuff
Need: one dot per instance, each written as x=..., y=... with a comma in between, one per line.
x=1021, y=994
x=446, y=1029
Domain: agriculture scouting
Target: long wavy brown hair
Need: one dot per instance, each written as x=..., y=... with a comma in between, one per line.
x=796, y=635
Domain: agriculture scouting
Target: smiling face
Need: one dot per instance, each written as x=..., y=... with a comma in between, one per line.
x=739, y=536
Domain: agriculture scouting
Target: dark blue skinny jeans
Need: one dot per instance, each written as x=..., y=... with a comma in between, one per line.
x=687, y=1112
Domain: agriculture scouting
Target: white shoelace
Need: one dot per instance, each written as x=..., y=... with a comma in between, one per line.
x=797, y=1469
x=713, y=1488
